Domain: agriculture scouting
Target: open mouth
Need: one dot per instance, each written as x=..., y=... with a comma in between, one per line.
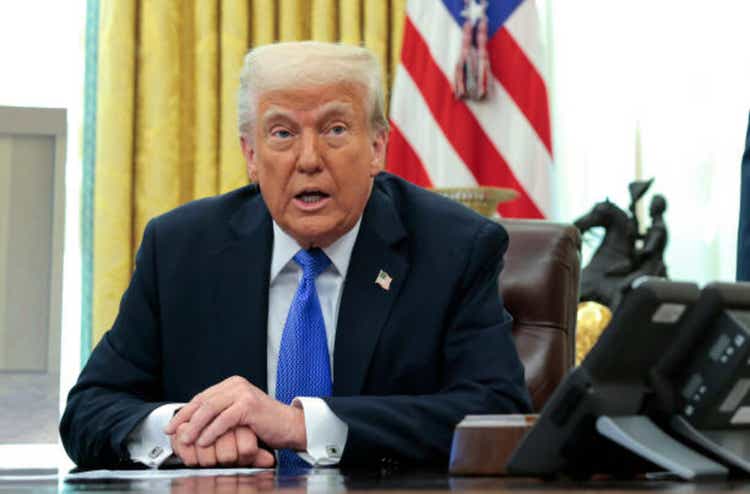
x=311, y=196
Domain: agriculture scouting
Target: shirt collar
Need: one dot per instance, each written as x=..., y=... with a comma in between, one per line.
x=285, y=247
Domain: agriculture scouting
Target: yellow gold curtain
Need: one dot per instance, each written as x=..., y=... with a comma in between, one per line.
x=166, y=114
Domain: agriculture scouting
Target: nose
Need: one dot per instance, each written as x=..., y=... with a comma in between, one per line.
x=309, y=160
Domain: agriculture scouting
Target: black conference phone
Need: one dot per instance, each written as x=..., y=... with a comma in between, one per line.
x=666, y=387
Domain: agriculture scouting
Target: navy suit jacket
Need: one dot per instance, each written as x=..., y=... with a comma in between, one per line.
x=409, y=362
x=743, y=235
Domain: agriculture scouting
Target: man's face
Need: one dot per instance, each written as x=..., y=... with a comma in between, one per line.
x=314, y=156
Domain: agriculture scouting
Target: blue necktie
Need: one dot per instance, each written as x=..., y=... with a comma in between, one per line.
x=304, y=367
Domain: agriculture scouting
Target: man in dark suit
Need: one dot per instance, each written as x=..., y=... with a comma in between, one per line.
x=743, y=235
x=328, y=311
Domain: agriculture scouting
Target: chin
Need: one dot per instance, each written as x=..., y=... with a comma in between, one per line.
x=320, y=237
x=318, y=232
x=312, y=237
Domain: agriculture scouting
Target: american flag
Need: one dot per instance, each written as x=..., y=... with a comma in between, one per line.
x=503, y=140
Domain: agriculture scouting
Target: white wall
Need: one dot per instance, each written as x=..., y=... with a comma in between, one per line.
x=678, y=73
x=42, y=65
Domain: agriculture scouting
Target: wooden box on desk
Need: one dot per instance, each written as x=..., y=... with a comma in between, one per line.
x=482, y=444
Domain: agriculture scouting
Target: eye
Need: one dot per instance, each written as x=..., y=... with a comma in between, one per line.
x=337, y=129
x=281, y=133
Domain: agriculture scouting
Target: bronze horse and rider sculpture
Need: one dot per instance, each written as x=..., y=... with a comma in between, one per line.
x=618, y=261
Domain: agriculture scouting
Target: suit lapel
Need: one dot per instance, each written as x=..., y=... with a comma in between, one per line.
x=241, y=297
x=365, y=305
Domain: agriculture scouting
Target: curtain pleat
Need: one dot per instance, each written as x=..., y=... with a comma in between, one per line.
x=264, y=20
x=350, y=21
x=187, y=85
x=294, y=20
x=113, y=205
x=235, y=35
x=158, y=113
x=323, y=20
x=376, y=24
x=166, y=106
x=206, y=76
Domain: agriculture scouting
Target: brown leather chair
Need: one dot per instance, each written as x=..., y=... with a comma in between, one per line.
x=539, y=285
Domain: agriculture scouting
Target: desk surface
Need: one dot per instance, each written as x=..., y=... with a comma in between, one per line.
x=372, y=481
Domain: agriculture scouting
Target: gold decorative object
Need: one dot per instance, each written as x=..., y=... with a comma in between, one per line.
x=483, y=200
x=592, y=318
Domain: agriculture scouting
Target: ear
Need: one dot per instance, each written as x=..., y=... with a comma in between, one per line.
x=379, y=145
x=249, y=153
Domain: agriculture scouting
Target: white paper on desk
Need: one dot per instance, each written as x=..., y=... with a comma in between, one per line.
x=27, y=478
x=163, y=474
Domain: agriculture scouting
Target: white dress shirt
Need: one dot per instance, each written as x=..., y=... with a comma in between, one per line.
x=326, y=433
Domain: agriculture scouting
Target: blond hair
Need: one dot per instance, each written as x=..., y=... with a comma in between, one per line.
x=304, y=64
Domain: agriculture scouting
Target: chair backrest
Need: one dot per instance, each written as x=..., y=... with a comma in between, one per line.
x=540, y=286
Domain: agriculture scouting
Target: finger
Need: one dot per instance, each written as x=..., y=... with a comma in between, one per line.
x=189, y=456
x=264, y=459
x=226, y=420
x=202, y=417
x=247, y=446
x=226, y=449
x=186, y=453
x=182, y=416
x=219, y=393
x=229, y=386
x=206, y=456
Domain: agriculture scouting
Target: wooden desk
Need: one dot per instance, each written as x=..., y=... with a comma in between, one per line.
x=370, y=481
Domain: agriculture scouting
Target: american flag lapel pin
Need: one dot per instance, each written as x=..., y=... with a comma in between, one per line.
x=384, y=280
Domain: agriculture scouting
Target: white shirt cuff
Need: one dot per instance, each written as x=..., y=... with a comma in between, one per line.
x=147, y=443
x=326, y=433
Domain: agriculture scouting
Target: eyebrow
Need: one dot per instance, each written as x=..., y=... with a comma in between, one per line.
x=276, y=113
x=328, y=109
x=334, y=107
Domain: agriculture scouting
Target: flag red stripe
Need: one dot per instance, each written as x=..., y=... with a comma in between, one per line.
x=522, y=81
x=403, y=161
x=459, y=125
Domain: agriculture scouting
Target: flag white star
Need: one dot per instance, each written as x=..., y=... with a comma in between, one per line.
x=474, y=10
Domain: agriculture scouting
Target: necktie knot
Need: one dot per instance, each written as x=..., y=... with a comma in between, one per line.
x=313, y=262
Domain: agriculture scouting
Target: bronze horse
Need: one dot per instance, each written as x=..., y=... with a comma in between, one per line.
x=602, y=278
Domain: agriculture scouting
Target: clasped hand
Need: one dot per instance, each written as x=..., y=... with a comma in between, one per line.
x=224, y=424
